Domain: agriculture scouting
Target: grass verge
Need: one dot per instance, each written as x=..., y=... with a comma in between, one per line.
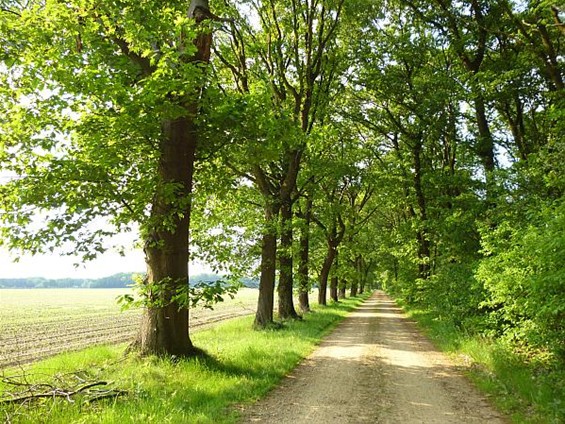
x=527, y=389
x=242, y=366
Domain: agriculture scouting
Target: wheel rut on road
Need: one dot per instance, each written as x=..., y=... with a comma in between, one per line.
x=375, y=367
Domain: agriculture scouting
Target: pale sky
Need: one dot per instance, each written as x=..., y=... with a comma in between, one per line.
x=54, y=266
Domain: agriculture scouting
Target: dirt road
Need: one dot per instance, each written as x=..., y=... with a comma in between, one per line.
x=374, y=368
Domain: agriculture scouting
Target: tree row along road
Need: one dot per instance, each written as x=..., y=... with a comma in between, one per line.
x=374, y=368
x=31, y=342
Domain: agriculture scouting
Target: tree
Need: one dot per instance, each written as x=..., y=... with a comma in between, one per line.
x=400, y=109
x=334, y=232
x=296, y=66
x=407, y=102
x=461, y=104
x=103, y=101
x=303, y=273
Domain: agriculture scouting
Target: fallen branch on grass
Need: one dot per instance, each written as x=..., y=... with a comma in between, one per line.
x=35, y=391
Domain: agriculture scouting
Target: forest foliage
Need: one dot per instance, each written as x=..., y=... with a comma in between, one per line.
x=417, y=146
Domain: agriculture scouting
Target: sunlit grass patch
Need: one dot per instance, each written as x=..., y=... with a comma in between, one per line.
x=241, y=366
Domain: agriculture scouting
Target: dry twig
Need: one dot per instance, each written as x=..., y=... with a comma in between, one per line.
x=62, y=388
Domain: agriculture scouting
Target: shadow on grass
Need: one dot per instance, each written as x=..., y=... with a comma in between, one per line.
x=234, y=365
x=271, y=365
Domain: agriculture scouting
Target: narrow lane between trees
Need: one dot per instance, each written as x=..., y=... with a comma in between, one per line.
x=376, y=367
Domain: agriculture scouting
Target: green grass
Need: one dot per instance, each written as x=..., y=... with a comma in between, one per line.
x=242, y=366
x=528, y=389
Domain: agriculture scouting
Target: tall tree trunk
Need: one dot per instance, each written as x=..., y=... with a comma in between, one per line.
x=342, y=288
x=334, y=279
x=366, y=272
x=326, y=267
x=353, y=291
x=304, y=301
x=165, y=324
x=355, y=282
x=164, y=328
x=287, y=187
x=333, y=288
x=485, y=143
x=265, y=303
x=286, y=302
x=450, y=142
x=422, y=234
x=303, y=269
x=364, y=275
x=361, y=275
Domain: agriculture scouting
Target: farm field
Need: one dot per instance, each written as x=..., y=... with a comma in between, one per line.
x=37, y=323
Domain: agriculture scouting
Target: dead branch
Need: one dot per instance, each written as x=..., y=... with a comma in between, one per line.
x=35, y=391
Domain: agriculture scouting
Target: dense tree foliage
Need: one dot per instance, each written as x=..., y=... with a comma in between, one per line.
x=100, y=104
x=414, y=145
x=467, y=116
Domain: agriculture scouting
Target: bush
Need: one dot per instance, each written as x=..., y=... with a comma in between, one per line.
x=524, y=275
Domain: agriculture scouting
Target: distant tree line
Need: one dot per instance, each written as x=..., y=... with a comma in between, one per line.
x=120, y=280
x=114, y=281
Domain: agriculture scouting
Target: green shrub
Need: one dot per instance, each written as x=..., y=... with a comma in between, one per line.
x=524, y=274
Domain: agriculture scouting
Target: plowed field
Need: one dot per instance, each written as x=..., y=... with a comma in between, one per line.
x=37, y=323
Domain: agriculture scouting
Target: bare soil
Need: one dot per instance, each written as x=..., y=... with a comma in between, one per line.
x=376, y=367
x=24, y=344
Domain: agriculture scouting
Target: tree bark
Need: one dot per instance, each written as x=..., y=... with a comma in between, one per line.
x=286, y=281
x=353, y=289
x=342, y=289
x=361, y=274
x=334, y=279
x=422, y=234
x=304, y=258
x=355, y=283
x=165, y=323
x=485, y=143
x=326, y=267
x=286, y=302
x=366, y=272
x=364, y=275
x=265, y=303
x=164, y=328
x=333, y=239
x=333, y=288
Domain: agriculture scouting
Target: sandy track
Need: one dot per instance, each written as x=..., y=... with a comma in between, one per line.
x=374, y=368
